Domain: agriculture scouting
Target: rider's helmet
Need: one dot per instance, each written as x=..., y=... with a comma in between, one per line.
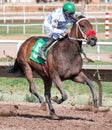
x=69, y=8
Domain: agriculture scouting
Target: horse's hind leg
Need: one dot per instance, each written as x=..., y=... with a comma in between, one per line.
x=29, y=77
x=82, y=78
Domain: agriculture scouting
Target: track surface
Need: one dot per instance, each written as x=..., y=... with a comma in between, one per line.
x=29, y=116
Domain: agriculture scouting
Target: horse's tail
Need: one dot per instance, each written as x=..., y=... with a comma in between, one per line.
x=15, y=68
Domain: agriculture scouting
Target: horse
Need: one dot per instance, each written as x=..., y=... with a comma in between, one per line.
x=64, y=62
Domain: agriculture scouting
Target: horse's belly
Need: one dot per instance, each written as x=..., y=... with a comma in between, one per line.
x=73, y=71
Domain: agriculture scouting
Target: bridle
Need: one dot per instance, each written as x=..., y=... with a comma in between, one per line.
x=85, y=35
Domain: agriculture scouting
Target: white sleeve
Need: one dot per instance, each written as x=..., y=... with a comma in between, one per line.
x=54, y=23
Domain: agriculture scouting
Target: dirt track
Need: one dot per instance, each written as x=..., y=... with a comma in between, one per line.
x=25, y=116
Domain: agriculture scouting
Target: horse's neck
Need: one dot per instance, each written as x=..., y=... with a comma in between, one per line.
x=72, y=46
x=75, y=32
x=74, y=35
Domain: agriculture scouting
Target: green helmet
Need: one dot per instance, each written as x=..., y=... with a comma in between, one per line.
x=69, y=7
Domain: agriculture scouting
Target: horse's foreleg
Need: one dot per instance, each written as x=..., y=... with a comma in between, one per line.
x=59, y=86
x=82, y=78
x=29, y=77
x=47, y=93
x=87, y=59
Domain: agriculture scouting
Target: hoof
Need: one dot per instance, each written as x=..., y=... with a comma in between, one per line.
x=55, y=99
x=43, y=106
x=95, y=109
x=54, y=116
x=95, y=103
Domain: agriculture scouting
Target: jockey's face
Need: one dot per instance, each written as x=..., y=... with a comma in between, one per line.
x=69, y=15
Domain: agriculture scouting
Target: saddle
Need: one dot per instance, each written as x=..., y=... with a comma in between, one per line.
x=35, y=56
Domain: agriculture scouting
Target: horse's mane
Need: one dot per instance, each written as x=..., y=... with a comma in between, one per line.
x=81, y=16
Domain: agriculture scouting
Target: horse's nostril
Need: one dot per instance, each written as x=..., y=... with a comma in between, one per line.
x=94, y=39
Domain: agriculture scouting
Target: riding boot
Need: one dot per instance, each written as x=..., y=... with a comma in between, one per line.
x=42, y=51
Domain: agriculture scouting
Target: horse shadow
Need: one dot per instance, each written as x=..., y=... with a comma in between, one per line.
x=49, y=117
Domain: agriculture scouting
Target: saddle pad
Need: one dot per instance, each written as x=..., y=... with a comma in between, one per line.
x=36, y=49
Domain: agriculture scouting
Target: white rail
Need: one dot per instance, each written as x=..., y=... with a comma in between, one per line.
x=6, y=28
x=35, y=16
x=39, y=11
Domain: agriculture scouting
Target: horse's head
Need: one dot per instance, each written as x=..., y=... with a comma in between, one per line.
x=84, y=31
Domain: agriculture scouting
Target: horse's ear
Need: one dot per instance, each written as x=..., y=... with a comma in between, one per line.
x=77, y=17
x=81, y=16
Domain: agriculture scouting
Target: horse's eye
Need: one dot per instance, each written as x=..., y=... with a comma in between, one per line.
x=82, y=26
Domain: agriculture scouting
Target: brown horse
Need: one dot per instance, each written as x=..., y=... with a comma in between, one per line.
x=64, y=62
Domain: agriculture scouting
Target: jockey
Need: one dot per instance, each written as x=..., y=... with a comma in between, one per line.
x=55, y=24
